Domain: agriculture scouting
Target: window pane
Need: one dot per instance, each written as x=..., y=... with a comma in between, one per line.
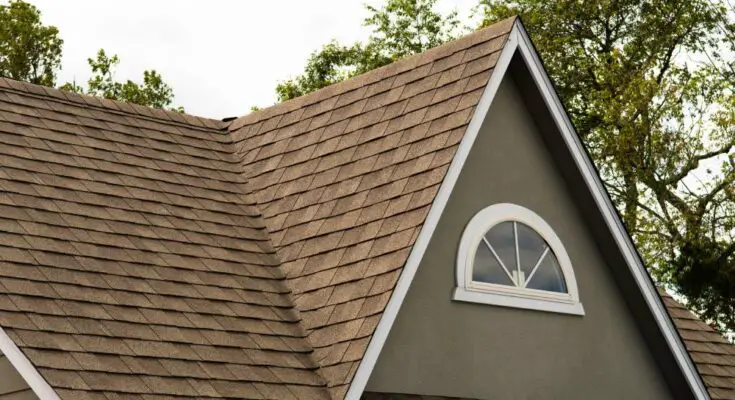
x=502, y=238
x=530, y=247
x=487, y=269
x=548, y=276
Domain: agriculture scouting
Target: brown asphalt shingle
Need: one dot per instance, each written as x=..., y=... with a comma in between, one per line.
x=345, y=178
x=712, y=354
x=134, y=260
x=151, y=254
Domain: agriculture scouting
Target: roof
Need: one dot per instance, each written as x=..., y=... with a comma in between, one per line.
x=172, y=255
x=134, y=260
x=713, y=355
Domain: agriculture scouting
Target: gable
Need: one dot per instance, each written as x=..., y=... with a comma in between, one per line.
x=442, y=347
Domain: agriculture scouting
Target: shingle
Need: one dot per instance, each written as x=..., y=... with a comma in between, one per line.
x=51, y=341
x=236, y=389
x=16, y=320
x=708, y=349
x=64, y=379
x=53, y=359
x=114, y=382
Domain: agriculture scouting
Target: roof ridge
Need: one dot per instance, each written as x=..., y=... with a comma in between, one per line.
x=115, y=106
x=394, y=68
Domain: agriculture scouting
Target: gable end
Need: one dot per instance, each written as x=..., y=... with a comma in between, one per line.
x=519, y=48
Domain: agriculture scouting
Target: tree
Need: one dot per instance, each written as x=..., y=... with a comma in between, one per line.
x=400, y=28
x=29, y=50
x=153, y=92
x=649, y=87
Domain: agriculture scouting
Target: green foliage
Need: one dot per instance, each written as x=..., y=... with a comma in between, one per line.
x=332, y=63
x=153, y=92
x=400, y=28
x=405, y=27
x=648, y=85
x=29, y=50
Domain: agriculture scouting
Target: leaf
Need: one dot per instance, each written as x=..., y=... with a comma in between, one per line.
x=152, y=92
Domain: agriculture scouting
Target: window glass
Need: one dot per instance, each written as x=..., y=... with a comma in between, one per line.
x=513, y=254
x=487, y=268
x=501, y=239
x=531, y=246
x=548, y=276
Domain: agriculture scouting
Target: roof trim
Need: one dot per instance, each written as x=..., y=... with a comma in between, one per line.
x=18, y=360
x=518, y=40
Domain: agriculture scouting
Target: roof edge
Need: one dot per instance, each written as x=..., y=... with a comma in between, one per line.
x=27, y=371
x=372, y=76
x=108, y=105
x=519, y=42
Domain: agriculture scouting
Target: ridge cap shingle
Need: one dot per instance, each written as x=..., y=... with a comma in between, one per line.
x=115, y=106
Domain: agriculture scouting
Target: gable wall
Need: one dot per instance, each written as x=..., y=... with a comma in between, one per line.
x=441, y=347
x=12, y=385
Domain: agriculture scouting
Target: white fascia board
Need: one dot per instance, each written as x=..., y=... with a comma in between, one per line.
x=518, y=40
x=27, y=371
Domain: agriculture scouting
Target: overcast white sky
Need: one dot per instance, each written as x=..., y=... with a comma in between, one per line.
x=220, y=56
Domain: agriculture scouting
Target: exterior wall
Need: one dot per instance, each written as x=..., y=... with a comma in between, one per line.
x=445, y=348
x=12, y=385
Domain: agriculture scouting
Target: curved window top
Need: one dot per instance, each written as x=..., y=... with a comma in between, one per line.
x=510, y=256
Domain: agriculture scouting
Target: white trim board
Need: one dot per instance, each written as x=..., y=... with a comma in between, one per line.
x=27, y=371
x=518, y=41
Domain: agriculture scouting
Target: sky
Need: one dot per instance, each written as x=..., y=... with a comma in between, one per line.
x=220, y=56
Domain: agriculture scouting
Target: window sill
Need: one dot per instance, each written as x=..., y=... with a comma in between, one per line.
x=504, y=300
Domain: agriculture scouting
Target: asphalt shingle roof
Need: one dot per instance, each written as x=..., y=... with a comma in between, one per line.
x=713, y=356
x=133, y=258
x=151, y=254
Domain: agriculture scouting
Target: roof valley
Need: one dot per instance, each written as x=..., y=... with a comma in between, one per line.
x=133, y=250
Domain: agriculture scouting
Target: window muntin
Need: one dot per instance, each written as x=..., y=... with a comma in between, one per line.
x=511, y=253
x=509, y=256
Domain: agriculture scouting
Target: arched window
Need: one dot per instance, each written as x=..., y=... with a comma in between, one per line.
x=510, y=256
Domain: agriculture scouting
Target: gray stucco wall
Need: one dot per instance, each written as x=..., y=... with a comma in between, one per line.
x=441, y=347
x=12, y=385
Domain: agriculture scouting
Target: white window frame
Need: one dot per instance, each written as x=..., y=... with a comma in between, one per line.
x=511, y=296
